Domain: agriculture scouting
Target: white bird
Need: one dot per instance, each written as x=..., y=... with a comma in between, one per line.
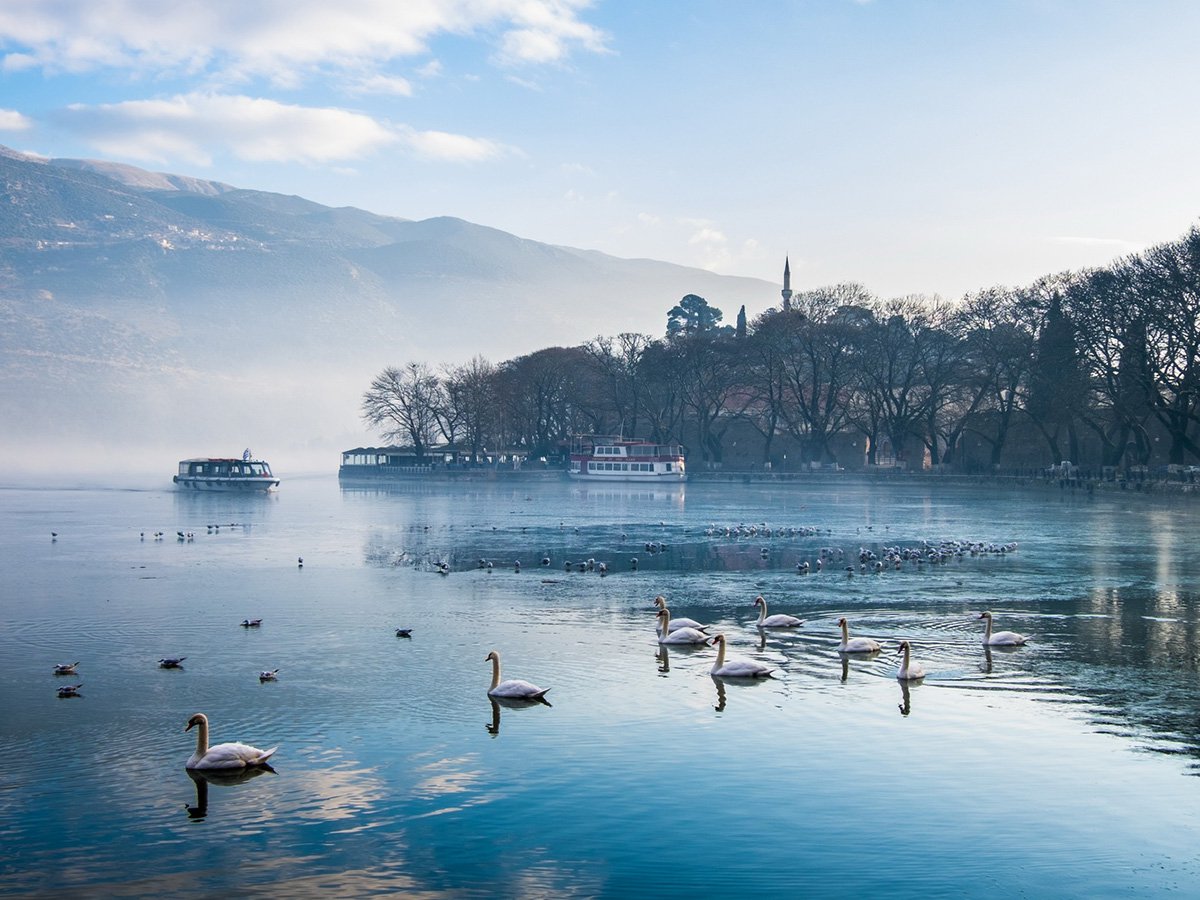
x=222, y=756
x=779, y=620
x=65, y=668
x=251, y=623
x=683, y=622
x=1001, y=638
x=513, y=689
x=909, y=670
x=855, y=645
x=736, y=668
x=679, y=635
x=269, y=676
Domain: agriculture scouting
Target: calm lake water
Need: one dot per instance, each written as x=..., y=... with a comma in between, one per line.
x=1064, y=768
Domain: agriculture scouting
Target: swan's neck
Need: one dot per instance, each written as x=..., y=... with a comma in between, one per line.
x=762, y=612
x=845, y=632
x=987, y=634
x=495, y=672
x=904, y=668
x=664, y=622
x=202, y=738
x=720, y=653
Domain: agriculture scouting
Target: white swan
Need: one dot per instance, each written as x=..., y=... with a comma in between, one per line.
x=779, y=620
x=909, y=670
x=1001, y=638
x=514, y=688
x=679, y=635
x=858, y=644
x=683, y=622
x=222, y=756
x=736, y=668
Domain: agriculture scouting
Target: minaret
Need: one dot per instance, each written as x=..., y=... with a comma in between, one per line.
x=787, y=284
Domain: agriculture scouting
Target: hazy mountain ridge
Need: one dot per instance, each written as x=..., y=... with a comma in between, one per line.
x=117, y=286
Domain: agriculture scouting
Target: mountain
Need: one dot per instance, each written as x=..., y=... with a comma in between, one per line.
x=142, y=309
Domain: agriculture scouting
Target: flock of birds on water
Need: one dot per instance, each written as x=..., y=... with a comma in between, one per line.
x=670, y=631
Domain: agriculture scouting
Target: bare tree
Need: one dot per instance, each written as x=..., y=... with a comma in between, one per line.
x=404, y=403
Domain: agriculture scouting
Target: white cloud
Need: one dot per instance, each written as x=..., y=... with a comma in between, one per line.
x=187, y=126
x=446, y=147
x=11, y=120
x=283, y=41
x=383, y=84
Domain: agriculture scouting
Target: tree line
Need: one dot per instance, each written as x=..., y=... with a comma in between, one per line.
x=1111, y=353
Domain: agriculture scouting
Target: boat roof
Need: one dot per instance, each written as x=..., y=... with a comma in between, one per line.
x=224, y=459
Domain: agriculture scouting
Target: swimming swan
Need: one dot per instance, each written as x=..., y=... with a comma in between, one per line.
x=675, y=624
x=514, y=689
x=856, y=645
x=1001, y=638
x=679, y=635
x=909, y=669
x=736, y=668
x=776, y=621
x=222, y=756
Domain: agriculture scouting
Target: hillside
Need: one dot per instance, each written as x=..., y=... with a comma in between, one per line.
x=180, y=313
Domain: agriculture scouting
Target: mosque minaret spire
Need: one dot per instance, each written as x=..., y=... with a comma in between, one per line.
x=787, y=284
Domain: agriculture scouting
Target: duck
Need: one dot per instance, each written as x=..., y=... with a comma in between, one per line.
x=513, y=689
x=251, y=623
x=269, y=676
x=404, y=632
x=736, y=668
x=1000, y=638
x=171, y=662
x=222, y=756
x=779, y=620
x=660, y=602
x=69, y=690
x=683, y=635
x=65, y=668
x=909, y=670
x=858, y=644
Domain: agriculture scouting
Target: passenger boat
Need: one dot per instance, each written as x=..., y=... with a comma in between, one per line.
x=204, y=473
x=597, y=458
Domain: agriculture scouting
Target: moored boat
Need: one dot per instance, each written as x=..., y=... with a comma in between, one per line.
x=597, y=458
x=205, y=473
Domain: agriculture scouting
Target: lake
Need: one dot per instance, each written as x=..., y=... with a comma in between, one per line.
x=1066, y=767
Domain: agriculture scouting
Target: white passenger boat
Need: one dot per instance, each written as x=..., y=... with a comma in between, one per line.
x=204, y=473
x=595, y=458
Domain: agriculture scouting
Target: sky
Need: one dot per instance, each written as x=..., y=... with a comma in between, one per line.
x=914, y=146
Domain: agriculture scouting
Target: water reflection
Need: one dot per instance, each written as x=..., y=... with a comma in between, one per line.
x=720, y=707
x=202, y=778
x=493, y=727
x=858, y=657
x=905, y=698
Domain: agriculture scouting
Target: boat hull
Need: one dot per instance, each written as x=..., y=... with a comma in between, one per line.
x=631, y=477
x=249, y=485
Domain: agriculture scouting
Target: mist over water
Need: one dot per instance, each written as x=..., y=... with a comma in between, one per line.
x=1063, y=768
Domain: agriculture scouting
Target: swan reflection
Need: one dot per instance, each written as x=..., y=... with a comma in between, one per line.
x=493, y=727
x=663, y=655
x=720, y=707
x=905, y=699
x=202, y=778
x=845, y=659
x=1003, y=649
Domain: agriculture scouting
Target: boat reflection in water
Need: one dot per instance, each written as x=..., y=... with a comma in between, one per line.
x=202, y=778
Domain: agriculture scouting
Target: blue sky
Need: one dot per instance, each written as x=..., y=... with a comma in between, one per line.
x=911, y=145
